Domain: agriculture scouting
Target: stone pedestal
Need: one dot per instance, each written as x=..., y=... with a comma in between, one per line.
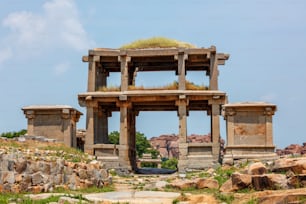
x=249, y=131
x=54, y=122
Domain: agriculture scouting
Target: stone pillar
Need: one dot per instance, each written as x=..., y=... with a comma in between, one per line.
x=183, y=145
x=92, y=74
x=124, y=149
x=30, y=115
x=214, y=72
x=182, y=70
x=132, y=138
x=68, y=140
x=269, y=112
x=90, y=127
x=215, y=129
x=124, y=60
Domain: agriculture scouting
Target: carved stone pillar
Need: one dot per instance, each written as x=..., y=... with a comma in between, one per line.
x=214, y=72
x=215, y=129
x=124, y=60
x=66, y=118
x=183, y=145
x=30, y=115
x=181, y=57
x=124, y=143
x=92, y=73
x=90, y=127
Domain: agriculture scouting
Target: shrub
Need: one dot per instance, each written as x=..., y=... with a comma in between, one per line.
x=170, y=164
x=14, y=134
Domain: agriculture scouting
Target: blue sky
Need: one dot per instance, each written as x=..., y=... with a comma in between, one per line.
x=42, y=42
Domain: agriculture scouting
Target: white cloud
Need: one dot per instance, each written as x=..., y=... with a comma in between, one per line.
x=5, y=54
x=57, y=26
x=61, y=68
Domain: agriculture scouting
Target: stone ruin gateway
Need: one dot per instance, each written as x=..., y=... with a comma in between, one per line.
x=249, y=125
x=100, y=101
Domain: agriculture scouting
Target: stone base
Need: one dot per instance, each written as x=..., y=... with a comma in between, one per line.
x=109, y=162
x=233, y=154
x=197, y=162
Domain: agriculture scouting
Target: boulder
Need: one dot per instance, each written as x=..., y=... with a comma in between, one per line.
x=184, y=184
x=296, y=165
x=227, y=187
x=257, y=168
x=269, y=182
x=241, y=181
x=297, y=181
x=207, y=183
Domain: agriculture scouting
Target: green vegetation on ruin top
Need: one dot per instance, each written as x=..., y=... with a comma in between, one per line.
x=157, y=42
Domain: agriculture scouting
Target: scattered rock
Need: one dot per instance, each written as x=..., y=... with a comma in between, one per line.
x=257, y=168
x=241, y=181
x=207, y=183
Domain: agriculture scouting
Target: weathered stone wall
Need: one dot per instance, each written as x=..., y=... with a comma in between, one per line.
x=20, y=173
x=50, y=126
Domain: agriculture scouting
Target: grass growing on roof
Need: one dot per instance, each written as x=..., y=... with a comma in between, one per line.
x=156, y=42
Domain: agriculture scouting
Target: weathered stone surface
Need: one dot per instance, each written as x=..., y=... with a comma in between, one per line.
x=241, y=181
x=7, y=177
x=28, y=175
x=279, y=181
x=68, y=200
x=227, y=187
x=21, y=165
x=257, y=168
x=261, y=182
x=269, y=182
x=296, y=165
x=207, y=183
x=184, y=184
x=37, y=178
x=297, y=181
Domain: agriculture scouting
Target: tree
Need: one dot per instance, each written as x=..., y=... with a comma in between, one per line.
x=142, y=144
x=113, y=137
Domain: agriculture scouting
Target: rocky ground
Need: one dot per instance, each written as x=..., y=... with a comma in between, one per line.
x=52, y=173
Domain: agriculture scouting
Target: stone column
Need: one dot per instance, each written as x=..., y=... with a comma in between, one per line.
x=132, y=138
x=230, y=126
x=124, y=71
x=124, y=158
x=215, y=129
x=214, y=72
x=183, y=145
x=90, y=127
x=182, y=70
x=68, y=140
x=30, y=115
x=269, y=112
x=92, y=73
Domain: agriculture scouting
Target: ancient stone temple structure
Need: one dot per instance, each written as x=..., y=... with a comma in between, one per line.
x=249, y=131
x=101, y=100
x=54, y=122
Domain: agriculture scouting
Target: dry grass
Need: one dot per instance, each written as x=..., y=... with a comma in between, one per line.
x=157, y=42
x=111, y=88
x=173, y=86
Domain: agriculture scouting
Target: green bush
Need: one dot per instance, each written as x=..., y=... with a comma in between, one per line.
x=170, y=164
x=14, y=134
x=142, y=144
